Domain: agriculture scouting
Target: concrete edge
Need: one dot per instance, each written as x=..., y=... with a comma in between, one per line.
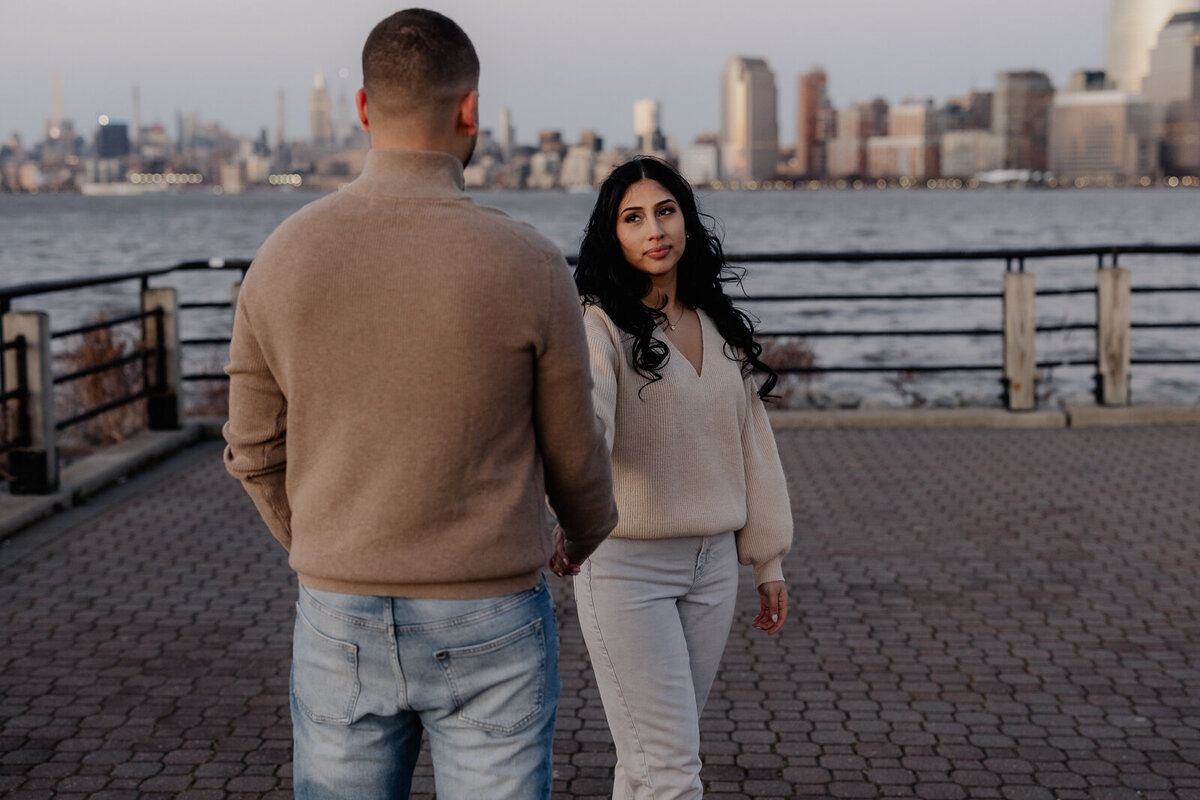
x=96, y=472
x=841, y=418
x=1070, y=415
x=1092, y=416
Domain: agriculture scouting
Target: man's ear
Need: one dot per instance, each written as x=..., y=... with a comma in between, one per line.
x=468, y=113
x=360, y=100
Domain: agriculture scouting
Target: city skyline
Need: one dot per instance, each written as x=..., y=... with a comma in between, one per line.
x=230, y=67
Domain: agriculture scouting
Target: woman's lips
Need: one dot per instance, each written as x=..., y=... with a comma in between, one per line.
x=658, y=252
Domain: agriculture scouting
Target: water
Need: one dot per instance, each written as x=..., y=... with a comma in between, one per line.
x=58, y=236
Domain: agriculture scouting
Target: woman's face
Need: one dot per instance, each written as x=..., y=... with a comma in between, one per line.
x=651, y=229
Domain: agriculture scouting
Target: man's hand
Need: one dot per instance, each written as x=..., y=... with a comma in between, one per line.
x=559, y=564
x=773, y=611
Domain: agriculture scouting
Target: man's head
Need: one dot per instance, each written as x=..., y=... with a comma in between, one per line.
x=420, y=84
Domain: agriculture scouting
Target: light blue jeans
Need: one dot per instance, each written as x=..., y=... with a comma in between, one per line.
x=370, y=673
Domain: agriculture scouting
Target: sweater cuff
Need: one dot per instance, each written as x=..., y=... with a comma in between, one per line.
x=770, y=571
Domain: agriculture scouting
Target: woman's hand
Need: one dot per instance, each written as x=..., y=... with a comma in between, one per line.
x=559, y=564
x=773, y=611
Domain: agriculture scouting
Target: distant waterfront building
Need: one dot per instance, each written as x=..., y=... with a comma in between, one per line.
x=1088, y=80
x=507, y=135
x=846, y=154
x=700, y=163
x=1133, y=28
x=749, y=122
x=1102, y=135
x=112, y=139
x=814, y=115
x=280, y=128
x=1021, y=117
x=1173, y=89
x=967, y=153
x=914, y=157
x=319, y=113
x=910, y=150
x=646, y=127
x=579, y=166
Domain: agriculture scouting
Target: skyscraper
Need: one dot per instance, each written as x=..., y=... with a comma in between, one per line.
x=749, y=122
x=1021, y=117
x=319, y=113
x=506, y=133
x=1133, y=27
x=812, y=108
x=1173, y=89
x=646, y=127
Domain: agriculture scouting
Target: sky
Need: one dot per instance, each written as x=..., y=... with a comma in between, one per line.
x=569, y=65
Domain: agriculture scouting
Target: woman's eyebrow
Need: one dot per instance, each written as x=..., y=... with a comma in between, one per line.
x=659, y=204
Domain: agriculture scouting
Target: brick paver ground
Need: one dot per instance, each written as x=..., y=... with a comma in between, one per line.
x=977, y=614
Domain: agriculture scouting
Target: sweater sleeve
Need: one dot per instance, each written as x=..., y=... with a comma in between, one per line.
x=767, y=535
x=604, y=355
x=572, y=441
x=256, y=433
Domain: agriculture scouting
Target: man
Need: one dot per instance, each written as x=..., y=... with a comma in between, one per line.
x=409, y=383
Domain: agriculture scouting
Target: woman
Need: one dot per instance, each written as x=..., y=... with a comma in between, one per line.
x=697, y=477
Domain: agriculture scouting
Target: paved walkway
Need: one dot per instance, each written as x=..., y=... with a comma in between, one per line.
x=983, y=614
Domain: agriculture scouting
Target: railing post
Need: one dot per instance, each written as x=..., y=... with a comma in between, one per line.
x=1112, y=336
x=160, y=337
x=34, y=464
x=1020, y=363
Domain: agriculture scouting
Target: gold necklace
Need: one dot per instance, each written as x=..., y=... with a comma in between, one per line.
x=668, y=319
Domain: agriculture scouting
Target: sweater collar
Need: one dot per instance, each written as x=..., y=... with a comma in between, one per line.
x=420, y=173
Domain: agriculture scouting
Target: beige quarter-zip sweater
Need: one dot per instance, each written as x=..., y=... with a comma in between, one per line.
x=692, y=454
x=408, y=384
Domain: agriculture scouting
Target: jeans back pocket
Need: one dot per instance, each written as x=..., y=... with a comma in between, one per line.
x=499, y=685
x=324, y=674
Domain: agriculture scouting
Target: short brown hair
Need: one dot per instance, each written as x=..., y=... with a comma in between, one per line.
x=416, y=60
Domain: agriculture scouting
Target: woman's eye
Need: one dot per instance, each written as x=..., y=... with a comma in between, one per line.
x=632, y=218
x=666, y=211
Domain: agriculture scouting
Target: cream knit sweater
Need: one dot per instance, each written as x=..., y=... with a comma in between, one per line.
x=692, y=454
x=408, y=384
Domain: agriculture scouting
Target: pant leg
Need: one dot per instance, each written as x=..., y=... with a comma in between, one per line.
x=486, y=686
x=627, y=595
x=352, y=737
x=706, y=611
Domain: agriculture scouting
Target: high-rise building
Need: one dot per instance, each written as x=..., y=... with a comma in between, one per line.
x=749, y=122
x=506, y=133
x=112, y=139
x=319, y=113
x=813, y=118
x=1021, y=117
x=910, y=149
x=1101, y=134
x=1173, y=89
x=966, y=153
x=280, y=131
x=1133, y=28
x=846, y=154
x=646, y=128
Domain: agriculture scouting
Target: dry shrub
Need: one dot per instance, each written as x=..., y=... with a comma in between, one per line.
x=783, y=352
x=905, y=383
x=90, y=391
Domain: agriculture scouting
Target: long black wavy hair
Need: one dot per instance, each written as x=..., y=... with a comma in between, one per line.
x=605, y=278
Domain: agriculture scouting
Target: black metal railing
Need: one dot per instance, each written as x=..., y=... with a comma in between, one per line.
x=140, y=355
x=1014, y=261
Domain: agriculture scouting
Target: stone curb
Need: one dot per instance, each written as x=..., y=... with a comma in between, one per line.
x=1069, y=416
x=102, y=469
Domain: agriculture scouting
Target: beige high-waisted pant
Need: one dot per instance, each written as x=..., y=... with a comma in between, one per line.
x=655, y=616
